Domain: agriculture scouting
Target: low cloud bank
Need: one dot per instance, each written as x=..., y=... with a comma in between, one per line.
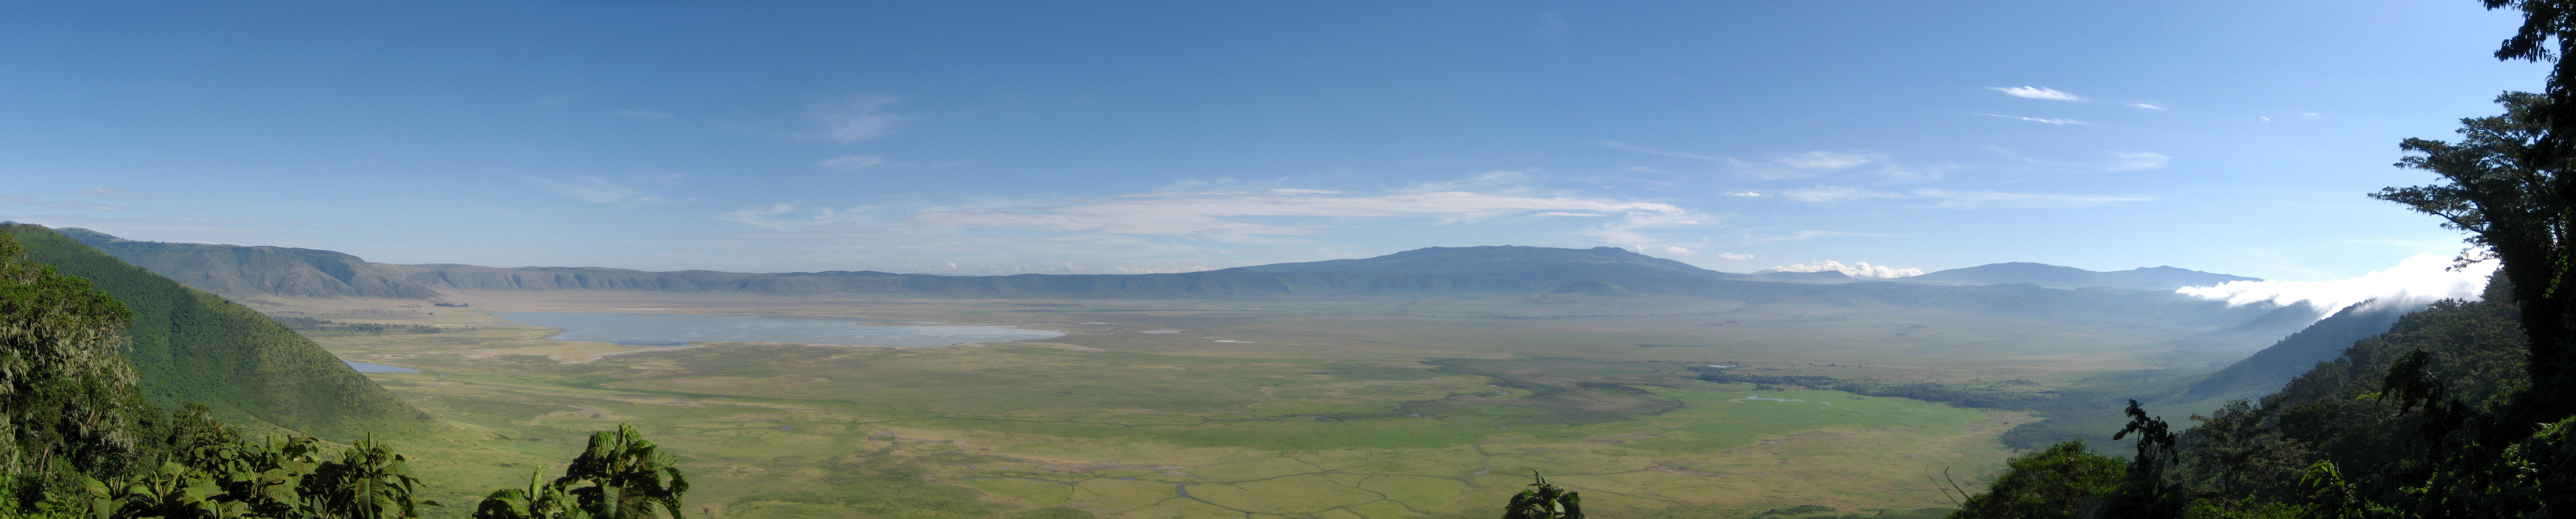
x=2414, y=282
x=1858, y=270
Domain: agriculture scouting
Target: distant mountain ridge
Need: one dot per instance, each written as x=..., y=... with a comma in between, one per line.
x=239, y=271
x=1434, y=271
x=2053, y=276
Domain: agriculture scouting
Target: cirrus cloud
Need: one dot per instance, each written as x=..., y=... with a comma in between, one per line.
x=1278, y=212
x=1958, y=199
x=857, y=118
x=2032, y=92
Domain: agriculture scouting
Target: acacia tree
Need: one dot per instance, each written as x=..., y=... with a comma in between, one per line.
x=2518, y=202
x=68, y=404
x=2543, y=37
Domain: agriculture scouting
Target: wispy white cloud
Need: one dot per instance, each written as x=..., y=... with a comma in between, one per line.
x=1835, y=194
x=110, y=193
x=501, y=211
x=853, y=161
x=1503, y=182
x=2031, y=92
x=1278, y=212
x=1752, y=238
x=2061, y=122
x=1678, y=250
x=2136, y=161
x=1947, y=199
x=187, y=229
x=598, y=190
x=1810, y=164
x=1827, y=160
x=764, y=216
x=1743, y=193
x=1953, y=199
x=2146, y=106
x=28, y=201
x=1858, y=270
x=1663, y=152
x=1559, y=213
x=1193, y=184
x=641, y=113
x=2415, y=280
x=858, y=118
x=1551, y=28
x=1734, y=256
x=1629, y=229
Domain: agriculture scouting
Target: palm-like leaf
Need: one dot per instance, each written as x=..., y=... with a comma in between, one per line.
x=369, y=481
x=629, y=477
x=1544, y=500
x=541, y=500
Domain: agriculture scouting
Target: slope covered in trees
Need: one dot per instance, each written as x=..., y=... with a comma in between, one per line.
x=2459, y=411
x=190, y=346
x=2266, y=370
x=238, y=271
x=79, y=438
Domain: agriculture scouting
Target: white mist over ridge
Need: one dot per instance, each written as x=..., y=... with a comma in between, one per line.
x=2414, y=282
x=1858, y=270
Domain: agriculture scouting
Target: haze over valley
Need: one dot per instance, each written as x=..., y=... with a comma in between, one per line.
x=667, y=260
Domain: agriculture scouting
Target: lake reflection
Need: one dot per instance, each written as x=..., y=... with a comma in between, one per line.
x=681, y=329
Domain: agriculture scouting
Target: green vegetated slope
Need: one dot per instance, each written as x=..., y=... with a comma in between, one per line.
x=2249, y=458
x=2333, y=411
x=190, y=346
x=239, y=271
x=2267, y=370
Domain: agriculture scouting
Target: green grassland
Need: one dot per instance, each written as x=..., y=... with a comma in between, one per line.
x=1364, y=408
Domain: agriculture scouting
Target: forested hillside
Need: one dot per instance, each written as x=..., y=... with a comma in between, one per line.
x=190, y=346
x=2266, y=370
x=2461, y=410
x=240, y=271
x=89, y=344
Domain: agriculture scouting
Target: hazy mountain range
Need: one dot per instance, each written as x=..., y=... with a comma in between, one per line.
x=251, y=271
x=2028, y=290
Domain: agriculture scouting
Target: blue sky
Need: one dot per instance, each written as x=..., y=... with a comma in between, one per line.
x=976, y=138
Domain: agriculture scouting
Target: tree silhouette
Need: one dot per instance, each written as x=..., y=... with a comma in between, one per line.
x=369, y=481
x=2147, y=493
x=541, y=500
x=628, y=477
x=1544, y=500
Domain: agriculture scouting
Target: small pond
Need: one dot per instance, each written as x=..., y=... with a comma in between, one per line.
x=682, y=329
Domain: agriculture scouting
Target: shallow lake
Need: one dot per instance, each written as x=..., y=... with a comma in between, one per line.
x=370, y=367
x=681, y=329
